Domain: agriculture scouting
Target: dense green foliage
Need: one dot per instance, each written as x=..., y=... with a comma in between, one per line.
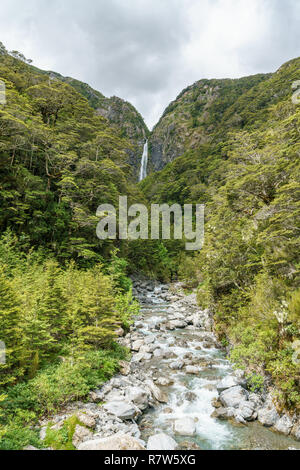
x=64, y=294
x=59, y=327
x=59, y=162
x=248, y=174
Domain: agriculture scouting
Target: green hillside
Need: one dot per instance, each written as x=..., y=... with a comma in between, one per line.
x=247, y=171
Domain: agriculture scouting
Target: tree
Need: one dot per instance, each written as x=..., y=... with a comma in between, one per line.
x=10, y=329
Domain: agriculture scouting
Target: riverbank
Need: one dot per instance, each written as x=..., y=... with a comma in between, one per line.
x=178, y=391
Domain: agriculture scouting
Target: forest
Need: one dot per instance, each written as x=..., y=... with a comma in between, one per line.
x=66, y=296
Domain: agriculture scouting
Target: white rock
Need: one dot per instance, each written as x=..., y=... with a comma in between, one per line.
x=246, y=411
x=268, y=415
x=192, y=370
x=165, y=382
x=149, y=339
x=161, y=442
x=156, y=392
x=176, y=365
x=284, y=425
x=138, y=396
x=228, y=382
x=185, y=427
x=117, y=442
x=138, y=357
x=136, y=345
x=174, y=324
x=122, y=409
x=296, y=432
x=232, y=397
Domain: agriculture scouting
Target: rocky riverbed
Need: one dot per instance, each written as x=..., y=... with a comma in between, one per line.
x=178, y=391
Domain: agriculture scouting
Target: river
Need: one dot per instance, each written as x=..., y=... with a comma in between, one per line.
x=192, y=395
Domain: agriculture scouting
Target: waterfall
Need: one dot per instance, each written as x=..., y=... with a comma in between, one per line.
x=144, y=164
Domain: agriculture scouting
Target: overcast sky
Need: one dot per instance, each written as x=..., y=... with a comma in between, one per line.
x=147, y=51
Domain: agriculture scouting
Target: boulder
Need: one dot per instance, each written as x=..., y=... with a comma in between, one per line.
x=149, y=339
x=156, y=392
x=161, y=442
x=138, y=357
x=124, y=368
x=284, y=425
x=81, y=434
x=120, y=332
x=145, y=349
x=296, y=431
x=223, y=413
x=138, y=396
x=147, y=356
x=136, y=346
x=228, y=382
x=176, y=365
x=96, y=396
x=122, y=409
x=232, y=397
x=164, y=381
x=87, y=420
x=247, y=411
x=117, y=442
x=175, y=324
x=197, y=320
x=185, y=427
x=193, y=370
x=268, y=415
x=114, y=395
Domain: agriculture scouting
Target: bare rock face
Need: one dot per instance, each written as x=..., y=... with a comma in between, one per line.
x=117, y=442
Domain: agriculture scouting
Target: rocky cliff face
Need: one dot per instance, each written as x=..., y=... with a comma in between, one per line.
x=196, y=116
x=119, y=113
x=126, y=117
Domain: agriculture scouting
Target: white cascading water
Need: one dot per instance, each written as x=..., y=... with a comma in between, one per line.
x=144, y=164
x=191, y=396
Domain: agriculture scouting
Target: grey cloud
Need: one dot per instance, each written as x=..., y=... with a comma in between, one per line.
x=146, y=51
